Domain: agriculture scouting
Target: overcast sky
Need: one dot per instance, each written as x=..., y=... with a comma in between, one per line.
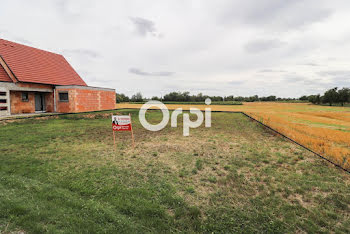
x=287, y=48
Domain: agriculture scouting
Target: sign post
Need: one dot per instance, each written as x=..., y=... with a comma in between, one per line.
x=132, y=133
x=122, y=123
x=115, y=147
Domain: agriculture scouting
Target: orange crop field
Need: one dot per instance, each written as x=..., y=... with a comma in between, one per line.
x=324, y=129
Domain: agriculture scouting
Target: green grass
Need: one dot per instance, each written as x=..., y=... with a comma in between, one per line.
x=62, y=175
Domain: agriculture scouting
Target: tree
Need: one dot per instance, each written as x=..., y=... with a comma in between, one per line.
x=137, y=97
x=331, y=96
x=215, y=98
x=239, y=99
x=344, y=95
x=186, y=96
x=268, y=99
x=254, y=98
x=315, y=99
x=229, y=98
x=199, y=97
x=155, y=98
x=121, y=98
x=303, y=98
x=312, y=99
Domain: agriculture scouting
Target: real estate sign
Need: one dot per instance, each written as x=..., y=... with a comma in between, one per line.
x=121, y=123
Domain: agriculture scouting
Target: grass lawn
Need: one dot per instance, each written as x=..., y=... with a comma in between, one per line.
x=61, y=175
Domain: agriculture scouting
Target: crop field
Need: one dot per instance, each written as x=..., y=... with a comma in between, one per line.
x=61, y=175
x=197, y=103
x=324, y=129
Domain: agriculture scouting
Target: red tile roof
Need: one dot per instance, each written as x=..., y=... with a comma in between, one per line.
x=38, y=66
x=3, y=75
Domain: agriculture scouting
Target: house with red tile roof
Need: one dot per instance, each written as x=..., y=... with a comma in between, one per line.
x=34, y=81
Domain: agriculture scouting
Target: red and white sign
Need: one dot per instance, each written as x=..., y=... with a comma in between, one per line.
x=121, y=122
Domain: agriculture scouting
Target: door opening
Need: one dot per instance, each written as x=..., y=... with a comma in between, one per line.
x=39, y=102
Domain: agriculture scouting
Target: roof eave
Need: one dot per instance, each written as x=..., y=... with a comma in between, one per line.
x=8, y=70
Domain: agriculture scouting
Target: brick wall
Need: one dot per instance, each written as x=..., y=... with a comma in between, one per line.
x=107, y=100
x=49, y=102
x=66, y=107
x=83, y=100
x=20, y=107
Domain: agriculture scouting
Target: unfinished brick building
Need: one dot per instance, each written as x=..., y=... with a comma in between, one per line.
x=34, y=80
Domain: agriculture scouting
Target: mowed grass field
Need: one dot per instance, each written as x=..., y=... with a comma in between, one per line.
x=61, y=175
x=324, y=129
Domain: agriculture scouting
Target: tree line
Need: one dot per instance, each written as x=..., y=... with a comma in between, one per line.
x=331, y=96
x=172, y=96
x=187, y=97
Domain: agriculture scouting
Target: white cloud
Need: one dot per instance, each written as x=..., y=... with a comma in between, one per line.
x=220, y=48
x=139, y=72
x=258, y=46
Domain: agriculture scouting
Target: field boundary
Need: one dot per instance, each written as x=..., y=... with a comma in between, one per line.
x=234, y=112
x=295, y=142
x=275, y=131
